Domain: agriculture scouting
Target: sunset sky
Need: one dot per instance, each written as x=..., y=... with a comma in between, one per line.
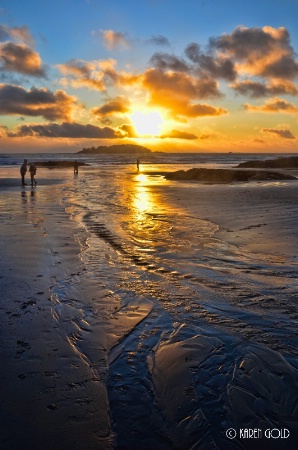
x=196, y=75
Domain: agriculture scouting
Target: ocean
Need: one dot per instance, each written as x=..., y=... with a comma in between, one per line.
x=216, y=160
x=185, y=303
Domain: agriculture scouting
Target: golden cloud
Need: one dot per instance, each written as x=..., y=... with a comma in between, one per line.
x=177, y=91
x=176, y=134
x=92, y=74
x=275, y=105
x=118, y=105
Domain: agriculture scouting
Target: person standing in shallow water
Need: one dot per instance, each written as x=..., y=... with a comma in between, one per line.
x=32, y=170
x=23, y=171
x=138, y=164
x=76, y=167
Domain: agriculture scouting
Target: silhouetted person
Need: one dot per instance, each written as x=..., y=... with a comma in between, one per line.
x=75, y=167
x=32, y=170
x=23, y=171
x=138, y=164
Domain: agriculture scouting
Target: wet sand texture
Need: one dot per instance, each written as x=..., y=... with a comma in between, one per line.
x=155, y=316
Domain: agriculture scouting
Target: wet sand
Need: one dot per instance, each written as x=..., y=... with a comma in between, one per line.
x=49, y=398
x=87, y=367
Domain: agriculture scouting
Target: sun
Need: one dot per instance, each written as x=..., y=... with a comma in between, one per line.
x=147, y=123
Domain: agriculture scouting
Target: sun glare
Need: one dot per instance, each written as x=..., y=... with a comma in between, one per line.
x=147, y=123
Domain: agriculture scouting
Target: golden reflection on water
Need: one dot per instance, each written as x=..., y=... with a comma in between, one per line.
x=142, y=199
x=145, y=212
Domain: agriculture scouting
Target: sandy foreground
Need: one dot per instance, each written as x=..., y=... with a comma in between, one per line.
x=52, y=395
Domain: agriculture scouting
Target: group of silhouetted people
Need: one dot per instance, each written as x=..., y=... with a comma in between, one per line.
x=32, y=170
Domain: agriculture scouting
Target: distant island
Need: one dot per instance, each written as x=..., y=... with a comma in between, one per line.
x=290, y=162
x=124, y=149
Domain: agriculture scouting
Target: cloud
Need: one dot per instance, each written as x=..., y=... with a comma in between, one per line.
x=256, y=89
x=129, y=130
x=176, y=134
x=275, y=105
x=164, y=61
x=159, y=40
x=66, y=130
x=113, y=40
x=15, y=100
x=264, y=52
x=92, y=74
x=176, y=92
x=217, y=67
x=284, y=67
x=20, y=58
x=3, y=131
x=118, y=105
x=18, y=34
x=200, y=110
x=259, y=141
x=285, y=134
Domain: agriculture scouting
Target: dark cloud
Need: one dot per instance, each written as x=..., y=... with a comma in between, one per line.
x=245, y=43
x=275, y=105
x=264, y=52
x=21, y=59
x=256, y=89
x=176, y=134
x=164, y=61
x=284, y=67
x=159, y=40
x=259, y=141
x=66, y=130
x=285, y=134
x=15, y=100
x=213, y=66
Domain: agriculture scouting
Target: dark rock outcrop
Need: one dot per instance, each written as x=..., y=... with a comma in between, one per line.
x=226, y=175
x=57, y=164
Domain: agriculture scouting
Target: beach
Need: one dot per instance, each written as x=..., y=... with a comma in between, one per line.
x=139, y=312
